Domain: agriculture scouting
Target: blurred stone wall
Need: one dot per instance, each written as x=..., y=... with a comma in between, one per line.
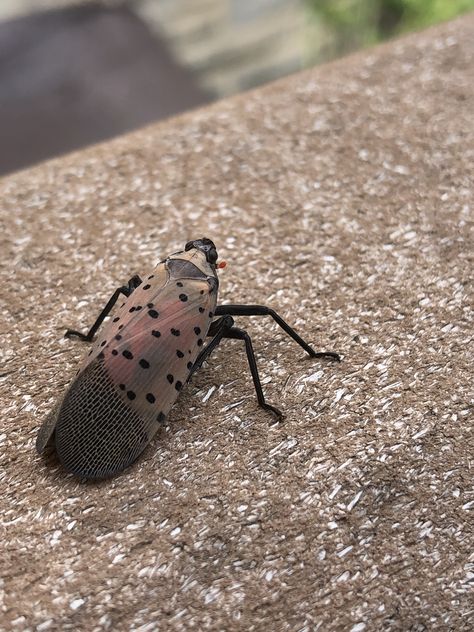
x=10, y=9
x=231, y=45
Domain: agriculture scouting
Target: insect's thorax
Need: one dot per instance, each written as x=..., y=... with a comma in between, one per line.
x=190, y=264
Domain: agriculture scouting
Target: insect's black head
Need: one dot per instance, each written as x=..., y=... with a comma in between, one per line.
x=206, y=246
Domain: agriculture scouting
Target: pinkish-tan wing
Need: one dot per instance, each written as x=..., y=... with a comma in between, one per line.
x=144, y=297
x=124, y=393
x=149, y=290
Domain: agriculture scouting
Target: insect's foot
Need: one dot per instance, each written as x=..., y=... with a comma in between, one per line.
x=72, y=333
x=275, y=411
x=331, y=355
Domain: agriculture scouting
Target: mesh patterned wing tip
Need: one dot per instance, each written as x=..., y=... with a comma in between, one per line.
x=46, y=432
x=97, y=433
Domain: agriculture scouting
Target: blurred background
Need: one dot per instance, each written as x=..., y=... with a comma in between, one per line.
x=74, y=72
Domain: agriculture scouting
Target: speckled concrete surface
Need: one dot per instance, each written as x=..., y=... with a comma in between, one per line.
x=340, y=196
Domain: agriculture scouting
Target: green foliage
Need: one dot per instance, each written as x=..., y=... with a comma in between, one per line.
x=356, y=23
x=421, y=13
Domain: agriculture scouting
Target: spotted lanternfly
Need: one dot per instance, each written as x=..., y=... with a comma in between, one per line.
x=136, y=368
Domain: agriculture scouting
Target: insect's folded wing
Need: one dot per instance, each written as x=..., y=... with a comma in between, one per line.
x=121, y=397
x=47, y=428
x=143, y=298
x=152, y=359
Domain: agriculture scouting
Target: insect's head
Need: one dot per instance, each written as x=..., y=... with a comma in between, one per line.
x=206, y=246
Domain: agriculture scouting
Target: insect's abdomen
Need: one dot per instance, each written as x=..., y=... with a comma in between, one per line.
x=97, y=434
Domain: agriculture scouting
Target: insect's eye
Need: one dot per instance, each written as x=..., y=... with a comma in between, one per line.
x=189, y=245
x=212, y=255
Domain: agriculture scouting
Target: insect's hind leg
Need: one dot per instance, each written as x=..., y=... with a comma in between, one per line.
x=239, y=334
x=133, y=283
x=217, y=330
x=262, y=310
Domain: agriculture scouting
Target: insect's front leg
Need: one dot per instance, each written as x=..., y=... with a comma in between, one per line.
x=262, y=310
x=133, y=283
x=217, y=331
x=239, y=334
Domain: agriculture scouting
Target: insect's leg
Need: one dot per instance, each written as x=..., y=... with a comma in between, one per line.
x=262, y=310
x=134, y=282
x=217, y=330
x=239, y=334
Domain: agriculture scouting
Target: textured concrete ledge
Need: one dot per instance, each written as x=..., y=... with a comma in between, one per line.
x=340, y=196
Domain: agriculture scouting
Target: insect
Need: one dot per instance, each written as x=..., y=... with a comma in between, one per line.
x=139, y=363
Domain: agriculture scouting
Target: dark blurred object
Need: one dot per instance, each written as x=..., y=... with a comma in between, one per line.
x=77, y=76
